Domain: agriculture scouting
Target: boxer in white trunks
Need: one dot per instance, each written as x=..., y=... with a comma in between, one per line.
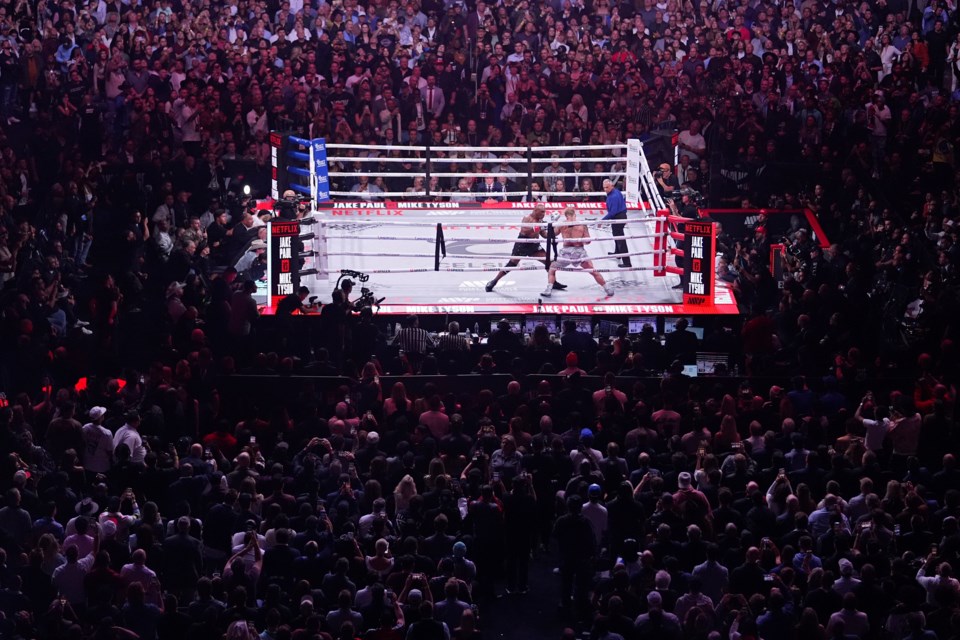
x=573, y=253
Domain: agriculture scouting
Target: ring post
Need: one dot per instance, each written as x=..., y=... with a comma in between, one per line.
x=439, y=247
x=551, y=242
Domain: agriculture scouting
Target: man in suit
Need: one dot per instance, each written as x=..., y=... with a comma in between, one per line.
x=490, y=190
x=747, y=579
x=476, y=19
x=278, y=562
x=184, y=563
x=433, y=97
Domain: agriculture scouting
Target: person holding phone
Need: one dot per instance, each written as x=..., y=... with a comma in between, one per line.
x=506, y=462
x=941, y=578
x=805, y=560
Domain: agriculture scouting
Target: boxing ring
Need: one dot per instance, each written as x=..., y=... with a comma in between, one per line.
x=436, y=251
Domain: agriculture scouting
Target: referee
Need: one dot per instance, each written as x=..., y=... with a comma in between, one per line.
x=413, y=341
x=454, y=340
x=617, y=210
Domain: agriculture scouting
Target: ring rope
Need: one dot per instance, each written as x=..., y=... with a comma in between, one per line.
x=461, y=174
x=446, y=159
x=331, y=236
x=579, y=159
x=582, y=147
x=471, y=256
x=488, y=269
x=391, y=147
x=495, y=224
x=373, y=159
x=645, y=236
x=379, y=147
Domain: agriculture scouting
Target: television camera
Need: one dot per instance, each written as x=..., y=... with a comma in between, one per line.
x=291, y=206
x=367, y=297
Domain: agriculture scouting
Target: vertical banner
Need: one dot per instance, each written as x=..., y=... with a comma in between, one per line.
x=700, y=246
x=632, y=187
x=283, y=261
x=318, y=151
x=276, y=154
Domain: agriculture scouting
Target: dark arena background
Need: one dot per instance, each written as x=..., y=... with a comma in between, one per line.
x=560, y=319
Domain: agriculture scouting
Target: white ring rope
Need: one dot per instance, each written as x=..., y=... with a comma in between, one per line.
x=469, y=174
x=569, y=159
x=484, y=223
x=547, y=149
x=488, y=269
x=584, y=147
x=472, y=256
x=487, y=240
x=381, y=147
x=370, y=159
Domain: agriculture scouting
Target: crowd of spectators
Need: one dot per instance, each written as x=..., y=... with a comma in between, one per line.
x=141, y=502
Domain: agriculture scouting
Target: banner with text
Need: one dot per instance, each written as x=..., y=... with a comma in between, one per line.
x=283, y=260
x=699, y=251
x=320, y=169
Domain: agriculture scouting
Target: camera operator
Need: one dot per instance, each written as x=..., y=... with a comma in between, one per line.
x=796, y=256
x=290, y=207
x=666, y=180
x=346, y=288
x=288, y=309
x=333, y=326
x=687, y=207
x=293, y=303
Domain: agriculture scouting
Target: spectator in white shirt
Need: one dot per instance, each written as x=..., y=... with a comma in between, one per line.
x=97, y=443
x=68, y=578
x=585, y=451
x=875, y=423
x=82, y=540
x=257, y=120
x=596, y=513
x=138, y=571
x=692, y=141
x=129, y=435
x=187, y=113
x=942, y=580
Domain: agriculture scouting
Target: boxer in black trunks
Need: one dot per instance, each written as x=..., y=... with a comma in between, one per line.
x=531, y=250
